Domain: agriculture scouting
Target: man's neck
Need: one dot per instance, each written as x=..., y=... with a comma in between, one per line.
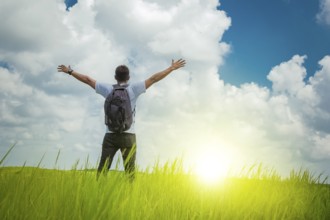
x=122, y=83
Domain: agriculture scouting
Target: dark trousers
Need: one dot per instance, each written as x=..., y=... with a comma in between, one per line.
x=126, y=143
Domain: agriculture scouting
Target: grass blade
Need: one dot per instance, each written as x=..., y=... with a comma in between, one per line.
x=7, y=153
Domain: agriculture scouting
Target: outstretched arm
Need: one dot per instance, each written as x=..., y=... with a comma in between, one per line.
x=161, y=75
x=81, y=77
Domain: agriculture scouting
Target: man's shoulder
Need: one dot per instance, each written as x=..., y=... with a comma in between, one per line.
x=137, y=83
x=138, y=87
x=103, y=88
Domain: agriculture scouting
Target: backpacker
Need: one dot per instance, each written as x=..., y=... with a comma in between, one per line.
x=118, y=110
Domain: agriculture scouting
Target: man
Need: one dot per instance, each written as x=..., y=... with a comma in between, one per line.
x=126, y=142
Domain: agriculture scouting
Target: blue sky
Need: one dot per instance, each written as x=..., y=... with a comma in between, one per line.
x=70, y=3
x=265, y=33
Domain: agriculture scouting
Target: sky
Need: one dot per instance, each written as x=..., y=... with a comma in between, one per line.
x=273, y=31
x=255, y=87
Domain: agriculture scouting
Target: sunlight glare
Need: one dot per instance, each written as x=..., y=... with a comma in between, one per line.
x=212, y=165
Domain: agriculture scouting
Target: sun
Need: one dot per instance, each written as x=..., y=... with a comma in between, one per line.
x=212, y=165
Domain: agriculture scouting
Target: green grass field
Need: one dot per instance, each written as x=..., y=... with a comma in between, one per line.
x=164, y=193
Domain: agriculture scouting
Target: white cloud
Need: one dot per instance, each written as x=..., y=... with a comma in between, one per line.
x=320, y=83
x=321, y=149
x=284, y=127
x=12, y=84
x=25, y=26
x=324, y=15
x=289, y=76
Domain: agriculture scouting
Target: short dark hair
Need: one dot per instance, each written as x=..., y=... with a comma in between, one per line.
x=122, y=73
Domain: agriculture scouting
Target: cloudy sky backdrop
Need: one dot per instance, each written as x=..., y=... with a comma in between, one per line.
x=279, y=116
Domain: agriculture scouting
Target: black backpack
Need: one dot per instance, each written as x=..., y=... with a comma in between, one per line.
x=118, y=110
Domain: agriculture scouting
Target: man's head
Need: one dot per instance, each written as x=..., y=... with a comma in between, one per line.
x=122, y=73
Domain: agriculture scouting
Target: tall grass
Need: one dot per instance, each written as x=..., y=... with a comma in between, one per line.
x=165, y=192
